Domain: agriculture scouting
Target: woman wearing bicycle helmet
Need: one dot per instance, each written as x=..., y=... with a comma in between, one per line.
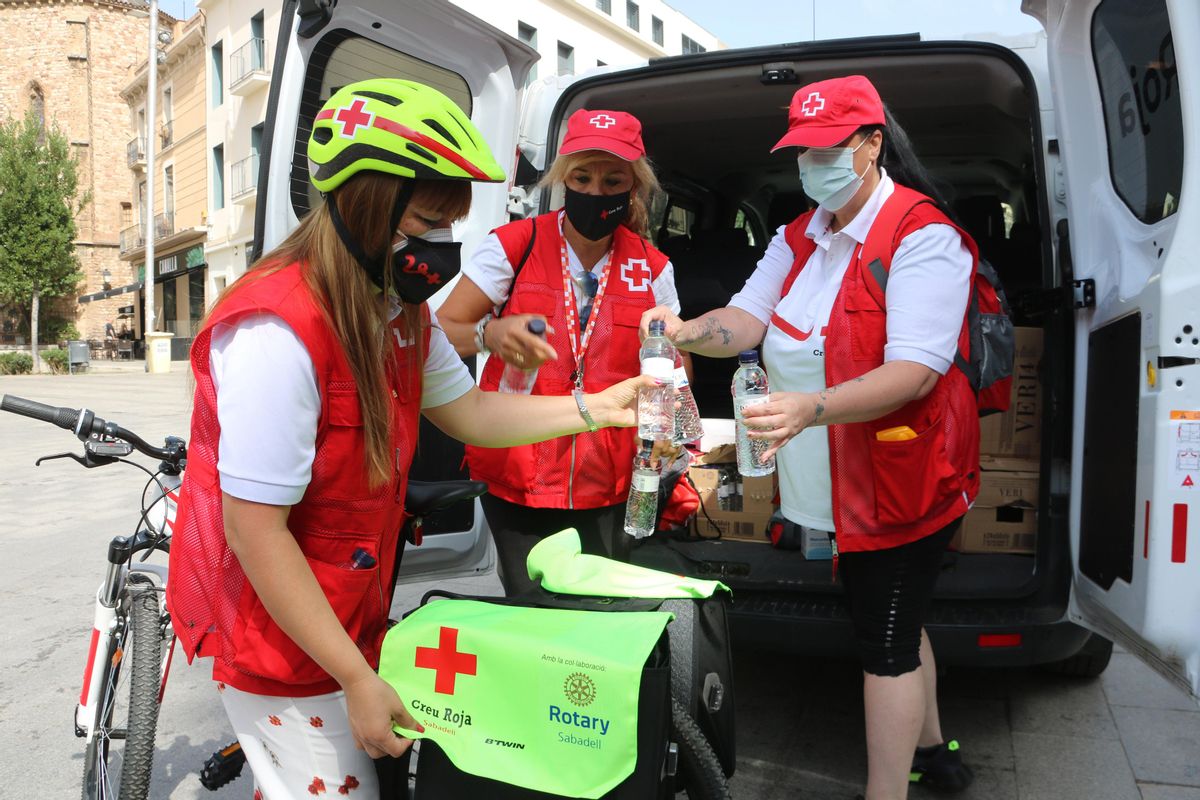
x=311, y=373
x=588, y=272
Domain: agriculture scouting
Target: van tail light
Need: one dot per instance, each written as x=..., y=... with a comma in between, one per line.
x=999, y=640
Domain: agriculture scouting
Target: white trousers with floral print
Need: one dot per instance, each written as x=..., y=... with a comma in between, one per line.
x=299, y=747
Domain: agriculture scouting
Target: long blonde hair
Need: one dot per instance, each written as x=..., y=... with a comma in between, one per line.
x=645, y=185
x=351, y=302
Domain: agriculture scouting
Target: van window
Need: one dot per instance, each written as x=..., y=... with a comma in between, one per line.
x=1139, y=88
x=343, y=58
x=742, y=220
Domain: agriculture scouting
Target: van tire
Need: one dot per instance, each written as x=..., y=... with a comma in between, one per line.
x=1089, y=662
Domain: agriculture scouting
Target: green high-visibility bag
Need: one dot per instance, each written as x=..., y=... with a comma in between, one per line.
x=541, y=698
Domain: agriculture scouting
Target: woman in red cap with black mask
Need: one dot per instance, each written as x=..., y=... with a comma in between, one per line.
x=861, y=356
x=588, y=273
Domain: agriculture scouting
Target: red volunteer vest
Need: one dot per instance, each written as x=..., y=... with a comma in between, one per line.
x=214, y=608
x=889, y=493
x=587, y=470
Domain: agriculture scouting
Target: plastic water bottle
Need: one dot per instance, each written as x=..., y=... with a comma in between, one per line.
x=750, y=388
x=641, y=509
x=687, y=415
x=656, y=404
x=515, y=380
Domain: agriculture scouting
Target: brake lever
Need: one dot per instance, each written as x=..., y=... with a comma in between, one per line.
x=86, y=460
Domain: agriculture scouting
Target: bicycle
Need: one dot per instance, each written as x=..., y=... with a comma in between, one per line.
x=126, y=669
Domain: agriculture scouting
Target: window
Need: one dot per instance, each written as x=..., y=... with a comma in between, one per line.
x=631, y=15
x=1139, y=89
x=126, y=214
x=195, y=300
x=656, y=30
x=168, y=114
x=566, y=59
x=528, y=35
x=218, y=177
x=691, y=46
x=604, y=5
x=742, y=221
x=218, y=76
x=256, y=26
x=169, y=190
x=170, y=308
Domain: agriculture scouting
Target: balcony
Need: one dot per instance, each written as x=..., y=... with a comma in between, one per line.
x=166, y=134
x=164, y=225
x=135, y=153
x=243, y=180
x=248, y=68
x=132, y=238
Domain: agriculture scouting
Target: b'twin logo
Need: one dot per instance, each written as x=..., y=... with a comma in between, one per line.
x=505, y=743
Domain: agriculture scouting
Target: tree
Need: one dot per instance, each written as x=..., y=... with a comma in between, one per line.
x=38, y=204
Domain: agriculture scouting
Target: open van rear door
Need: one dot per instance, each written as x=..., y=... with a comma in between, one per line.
x=1126, y=79
x=324, y=45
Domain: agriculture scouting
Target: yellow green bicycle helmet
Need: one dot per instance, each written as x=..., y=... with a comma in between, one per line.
x=398, y=127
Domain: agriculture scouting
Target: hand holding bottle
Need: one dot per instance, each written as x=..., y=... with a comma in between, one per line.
x=672, y=324
x=782, y=417
x=509, y=338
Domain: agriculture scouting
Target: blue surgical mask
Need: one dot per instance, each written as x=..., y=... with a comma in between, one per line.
x=828, y=176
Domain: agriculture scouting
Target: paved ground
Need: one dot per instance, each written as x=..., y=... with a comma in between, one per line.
x=1031, y=736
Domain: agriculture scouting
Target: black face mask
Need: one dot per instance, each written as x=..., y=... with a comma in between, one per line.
x=421, y=267
x=596, y=216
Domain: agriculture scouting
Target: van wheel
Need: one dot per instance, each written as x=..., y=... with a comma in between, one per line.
x=1089, y=662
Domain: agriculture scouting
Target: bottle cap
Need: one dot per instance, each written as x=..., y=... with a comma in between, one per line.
x=748, y=357
x=537, y=327
x=657, y=327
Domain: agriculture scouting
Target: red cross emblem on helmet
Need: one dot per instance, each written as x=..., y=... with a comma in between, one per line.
x=812, y=104
x=353, y=116
x=603, y=121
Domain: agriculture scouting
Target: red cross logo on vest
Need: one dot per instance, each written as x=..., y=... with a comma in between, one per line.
x=812, y=104
x=446, y=661
x=636, y=274
x=603, y=121
x=352, y=116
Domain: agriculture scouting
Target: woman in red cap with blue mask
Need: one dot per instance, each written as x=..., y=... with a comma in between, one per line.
x=588, y=273
x=873, y=426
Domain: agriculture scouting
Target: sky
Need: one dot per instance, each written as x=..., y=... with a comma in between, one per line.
x=758, y=22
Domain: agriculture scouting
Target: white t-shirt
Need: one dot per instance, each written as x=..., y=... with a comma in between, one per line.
x=926, y=299
x=268, y=404
x=490, y=270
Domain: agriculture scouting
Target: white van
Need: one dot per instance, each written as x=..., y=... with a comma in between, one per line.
x=1072, y=181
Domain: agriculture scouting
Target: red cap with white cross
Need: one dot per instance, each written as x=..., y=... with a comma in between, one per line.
x=616, y=132
x=827, y=112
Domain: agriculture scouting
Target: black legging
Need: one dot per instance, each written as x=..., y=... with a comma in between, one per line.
x=516, y=529
x=889, y=592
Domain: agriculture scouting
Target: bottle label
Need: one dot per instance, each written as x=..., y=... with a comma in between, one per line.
x=681, y=381
x=645, y=483
x=743, y=402
x=659, y=368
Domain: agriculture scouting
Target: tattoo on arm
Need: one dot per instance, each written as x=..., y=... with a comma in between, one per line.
x=712, y=326
x=824, y=395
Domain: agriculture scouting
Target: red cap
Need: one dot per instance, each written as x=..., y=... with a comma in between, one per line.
x=827, y=112
x=615, y=132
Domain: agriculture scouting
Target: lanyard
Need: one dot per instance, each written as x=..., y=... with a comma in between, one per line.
x=579, y=347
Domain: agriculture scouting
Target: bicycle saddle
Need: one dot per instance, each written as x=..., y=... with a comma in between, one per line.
x=425, y=497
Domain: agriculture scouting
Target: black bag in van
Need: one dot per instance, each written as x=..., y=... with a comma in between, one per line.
x=437, y=778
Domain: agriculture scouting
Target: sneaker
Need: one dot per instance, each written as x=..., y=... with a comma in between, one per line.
x=940, y=767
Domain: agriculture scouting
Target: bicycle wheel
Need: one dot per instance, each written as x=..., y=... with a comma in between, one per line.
x=119, y=755
x=699, y=772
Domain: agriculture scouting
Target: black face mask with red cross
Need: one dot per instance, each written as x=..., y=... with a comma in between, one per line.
x=596, y=216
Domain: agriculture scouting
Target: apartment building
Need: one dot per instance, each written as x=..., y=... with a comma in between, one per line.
x=180, y=185
x=68, y=60
x=238, y=60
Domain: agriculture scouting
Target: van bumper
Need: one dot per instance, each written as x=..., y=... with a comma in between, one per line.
x=967, y=633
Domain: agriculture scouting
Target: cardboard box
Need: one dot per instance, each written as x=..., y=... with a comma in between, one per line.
x=1012, y=440
x=1004, y=517
x=757, y=499
x=815, y=545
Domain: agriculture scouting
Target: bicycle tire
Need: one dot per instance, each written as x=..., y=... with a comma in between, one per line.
x=144, y=661
x=699, y=772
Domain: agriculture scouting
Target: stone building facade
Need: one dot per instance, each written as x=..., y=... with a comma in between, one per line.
x=72, y=58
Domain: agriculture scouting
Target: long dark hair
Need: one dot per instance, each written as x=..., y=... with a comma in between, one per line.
x=901, y=162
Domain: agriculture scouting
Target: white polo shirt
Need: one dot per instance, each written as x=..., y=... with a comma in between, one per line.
x=926, y=301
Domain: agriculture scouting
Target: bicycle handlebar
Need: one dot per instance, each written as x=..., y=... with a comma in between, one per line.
x=85, y=424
